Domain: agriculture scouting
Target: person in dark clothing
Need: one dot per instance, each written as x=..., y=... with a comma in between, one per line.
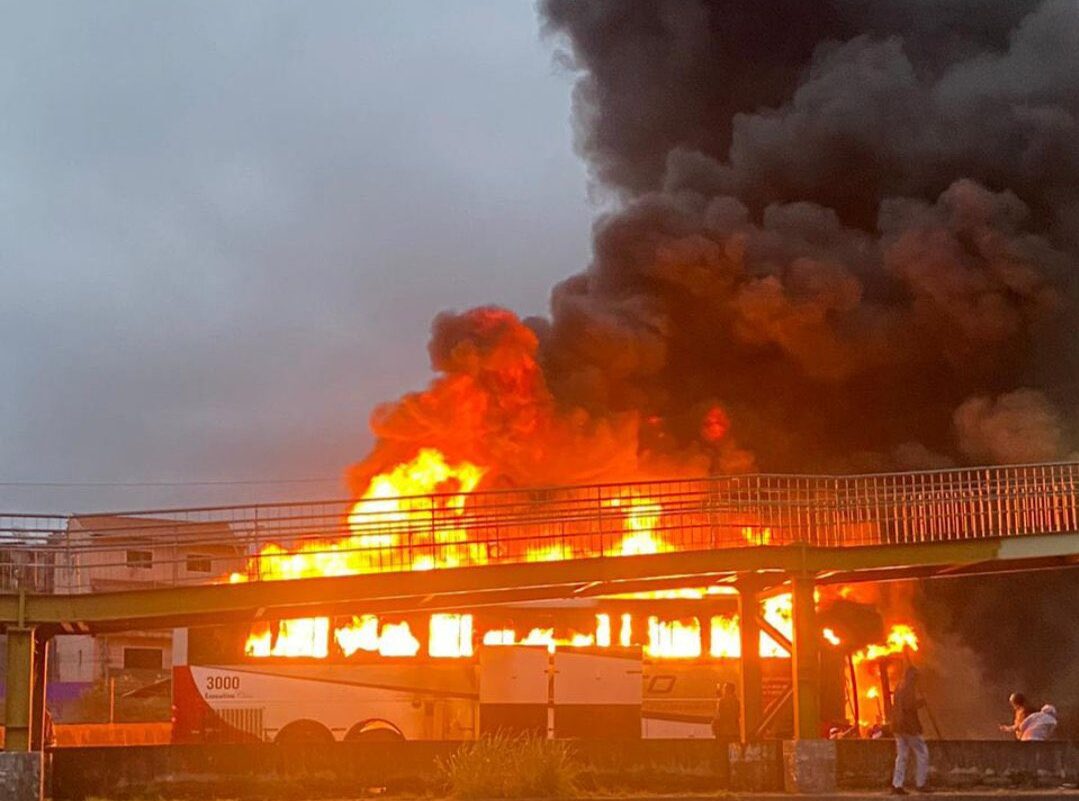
x=907, y=727
x=726, y=728
x=727, y=723
x=1020, y=709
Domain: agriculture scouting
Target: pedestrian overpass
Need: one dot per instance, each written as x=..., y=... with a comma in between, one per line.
x=188, y=567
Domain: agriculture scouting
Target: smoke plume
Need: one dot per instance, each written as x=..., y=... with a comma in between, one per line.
x=842, y=236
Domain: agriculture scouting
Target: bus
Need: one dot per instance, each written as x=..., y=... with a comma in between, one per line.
x=615, y=668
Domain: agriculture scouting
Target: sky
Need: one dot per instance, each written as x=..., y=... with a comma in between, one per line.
x=225, y=228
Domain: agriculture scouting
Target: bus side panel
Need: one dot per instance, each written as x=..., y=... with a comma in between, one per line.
x=680, y=698
x=236, y=703
x=597, y=695
x=513, y=689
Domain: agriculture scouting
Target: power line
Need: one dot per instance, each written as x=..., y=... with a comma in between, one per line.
x=230, y=483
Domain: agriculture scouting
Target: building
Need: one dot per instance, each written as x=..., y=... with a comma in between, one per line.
x=117, y=552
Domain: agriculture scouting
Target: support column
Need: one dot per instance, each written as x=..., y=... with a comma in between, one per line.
x=20, y=688
x=38, y=689
x=806, y=659
x=749, y=633
x=21, y=768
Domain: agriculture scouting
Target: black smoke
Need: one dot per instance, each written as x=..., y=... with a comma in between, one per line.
x=852, y=226
x=827, y=212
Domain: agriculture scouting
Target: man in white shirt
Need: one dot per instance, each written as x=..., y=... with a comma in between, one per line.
x=1039, y=725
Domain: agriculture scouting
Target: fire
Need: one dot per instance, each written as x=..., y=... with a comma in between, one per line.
x=300, y=637
x=365, y=633
x=395, y=503
x=500, y=637
x=673, y=638
x=756, y=535
x=392, y=503
x=639, y=521
x=411, y=517
x=603, y=631
x=450, y=635
x=779, y=611
x=726, y=637
x=901, y=637
x=361, y=635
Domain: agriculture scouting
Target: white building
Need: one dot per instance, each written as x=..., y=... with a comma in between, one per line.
x=113, y=552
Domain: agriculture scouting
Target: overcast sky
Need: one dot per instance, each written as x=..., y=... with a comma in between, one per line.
x=225, y=227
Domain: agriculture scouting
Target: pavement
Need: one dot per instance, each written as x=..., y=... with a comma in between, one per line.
x=951, y=795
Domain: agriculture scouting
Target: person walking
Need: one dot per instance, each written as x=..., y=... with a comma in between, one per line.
x=727, y=729
x=907, y=728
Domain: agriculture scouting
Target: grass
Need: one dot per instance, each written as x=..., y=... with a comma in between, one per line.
x=506, y=766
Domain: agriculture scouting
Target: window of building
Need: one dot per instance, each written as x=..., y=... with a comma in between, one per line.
x=143, y=659
x=199, y=563
x=140, y=559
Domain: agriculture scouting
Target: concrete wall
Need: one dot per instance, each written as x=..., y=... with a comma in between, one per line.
x=963, y=763
x=345, y=769
x=20, y=776
x=665, y=766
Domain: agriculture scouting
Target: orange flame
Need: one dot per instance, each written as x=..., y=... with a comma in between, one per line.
x=900, y=638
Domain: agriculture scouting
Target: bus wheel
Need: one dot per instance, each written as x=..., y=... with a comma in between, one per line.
x=374, y=731
x=304, y=732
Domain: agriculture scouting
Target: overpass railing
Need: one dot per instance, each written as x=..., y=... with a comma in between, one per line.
x=98, y=552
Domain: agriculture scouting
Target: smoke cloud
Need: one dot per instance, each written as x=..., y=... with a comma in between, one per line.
x=826, y=212
x=853, y=227
x=842, y=236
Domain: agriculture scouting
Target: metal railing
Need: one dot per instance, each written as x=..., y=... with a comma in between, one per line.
x=83, y=553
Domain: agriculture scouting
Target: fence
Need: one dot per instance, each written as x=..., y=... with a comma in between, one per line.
x=81, y=553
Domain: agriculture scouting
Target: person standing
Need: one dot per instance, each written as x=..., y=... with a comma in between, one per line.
x=727, y=729
x=1020, y=709
x=907, y=727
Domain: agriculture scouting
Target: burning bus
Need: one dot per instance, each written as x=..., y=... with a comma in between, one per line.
x=623, y=665
x=608, y=668
x=618, y=667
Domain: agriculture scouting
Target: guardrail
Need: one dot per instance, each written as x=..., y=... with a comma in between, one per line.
x=83, y=553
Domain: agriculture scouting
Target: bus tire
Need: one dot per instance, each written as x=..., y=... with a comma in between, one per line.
x=374, y=731
x=306, y=732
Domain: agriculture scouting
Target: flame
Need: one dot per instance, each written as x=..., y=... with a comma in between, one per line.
x=757, y=535
x=726, y=637
x=450, y=635
x=293, y=638
x=673, y=639
x=639, y=521
x=603, y=631
x=360, y=635
x=411, y=518
x=901, y=637
x=365, y=633
x=500, y=637
x=779, y=611
x=397, y=640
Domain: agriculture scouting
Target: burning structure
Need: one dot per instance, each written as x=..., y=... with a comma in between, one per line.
x=841, y=237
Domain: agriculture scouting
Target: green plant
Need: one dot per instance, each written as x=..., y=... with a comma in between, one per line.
x=508, y=766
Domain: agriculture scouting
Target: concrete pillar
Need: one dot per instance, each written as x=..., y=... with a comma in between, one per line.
x=749, y=632
x=806, y=659
x=37, y=694
x=809, y=766
x=20, y=688
x=21, y=775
